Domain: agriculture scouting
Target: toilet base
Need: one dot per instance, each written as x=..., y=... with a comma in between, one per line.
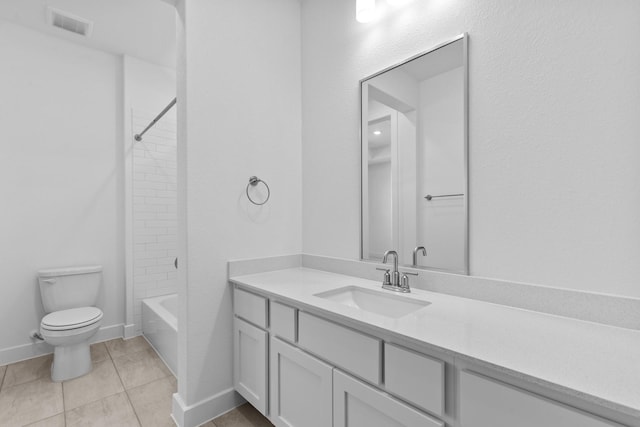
x=71, y=361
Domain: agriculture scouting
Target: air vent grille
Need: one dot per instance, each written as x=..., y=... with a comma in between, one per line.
x=69, y=22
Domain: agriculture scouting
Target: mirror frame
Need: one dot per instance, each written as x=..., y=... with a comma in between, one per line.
x=465, y=64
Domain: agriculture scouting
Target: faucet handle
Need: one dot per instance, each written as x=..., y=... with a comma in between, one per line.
x=387, y=276
x=404, y=283
x=410, y=273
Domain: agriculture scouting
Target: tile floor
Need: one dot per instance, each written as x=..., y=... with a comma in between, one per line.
x=128, y=386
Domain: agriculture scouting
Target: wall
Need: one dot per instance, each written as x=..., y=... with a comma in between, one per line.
x=150, y=186
x=554, y=102
x=60, y=176
x=239, y=115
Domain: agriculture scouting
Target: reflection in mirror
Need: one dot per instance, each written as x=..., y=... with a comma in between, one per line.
x=414, y=160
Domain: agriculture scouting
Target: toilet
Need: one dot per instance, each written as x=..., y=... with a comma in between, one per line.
x=69, y=296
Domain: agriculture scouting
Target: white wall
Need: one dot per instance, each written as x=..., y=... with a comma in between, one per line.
x=241, y=110
x=554, y=131
x=61, y=175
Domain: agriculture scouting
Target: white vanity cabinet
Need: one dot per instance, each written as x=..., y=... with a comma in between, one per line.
x=306, y=369
x=356, y=404
x=300, y=387
x=250, y=365
x=488, y=403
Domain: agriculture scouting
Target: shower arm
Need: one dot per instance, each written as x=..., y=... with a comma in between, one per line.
x=138, y=136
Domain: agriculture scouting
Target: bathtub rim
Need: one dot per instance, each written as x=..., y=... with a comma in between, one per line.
x=154, y=304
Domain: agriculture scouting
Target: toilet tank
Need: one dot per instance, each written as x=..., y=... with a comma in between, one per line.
x=70, y=287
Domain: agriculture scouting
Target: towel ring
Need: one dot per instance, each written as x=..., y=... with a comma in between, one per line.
x=253, y=181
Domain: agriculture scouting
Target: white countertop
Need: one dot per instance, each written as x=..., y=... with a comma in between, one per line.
x=592, y=361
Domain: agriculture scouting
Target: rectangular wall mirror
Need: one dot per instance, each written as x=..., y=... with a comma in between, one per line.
x=414, y=119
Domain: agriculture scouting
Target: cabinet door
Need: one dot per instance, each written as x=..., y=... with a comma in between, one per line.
x=250, y=363
x=356, y=404
x=487, y=403
x=301, y=388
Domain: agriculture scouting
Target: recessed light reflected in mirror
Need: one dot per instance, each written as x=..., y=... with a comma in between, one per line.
x=365, y=10
x=377, y=132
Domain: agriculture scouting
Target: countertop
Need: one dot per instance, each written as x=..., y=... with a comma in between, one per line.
x=595, y=362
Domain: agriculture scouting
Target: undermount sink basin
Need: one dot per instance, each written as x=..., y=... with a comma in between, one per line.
x=379, y=302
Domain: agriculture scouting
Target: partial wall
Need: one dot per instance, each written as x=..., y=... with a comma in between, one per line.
x=553, y=131
x=61, y=177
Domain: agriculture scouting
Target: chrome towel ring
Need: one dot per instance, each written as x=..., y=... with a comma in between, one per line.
x=253, y=181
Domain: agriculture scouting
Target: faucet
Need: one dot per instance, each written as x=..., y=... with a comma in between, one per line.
x=392, y=281
x=415, y=254
x=395, y=274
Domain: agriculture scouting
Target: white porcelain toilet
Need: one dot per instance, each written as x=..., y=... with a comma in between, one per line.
x=69, y=296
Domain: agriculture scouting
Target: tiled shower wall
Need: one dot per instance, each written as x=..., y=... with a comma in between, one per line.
x=154, y=211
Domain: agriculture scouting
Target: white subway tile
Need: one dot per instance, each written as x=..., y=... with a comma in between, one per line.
x=159, y=201
x=150, y=185
x=151, y=254
x=161, y=246
x=148, y=215
x=143, y=231
x=167, y=216
x=146, y=238
x=163, y=223
x=147, y=262
x=160, y=269
x=151, y=278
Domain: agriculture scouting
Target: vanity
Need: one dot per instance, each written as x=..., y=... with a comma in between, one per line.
x=314, y=348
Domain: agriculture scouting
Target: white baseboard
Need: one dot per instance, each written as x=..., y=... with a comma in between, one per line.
x=130, y=331
x=205, y=410
x=107, y=333
x=39, y=348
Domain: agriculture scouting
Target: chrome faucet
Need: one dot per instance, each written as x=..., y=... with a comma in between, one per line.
x=395, y=274
x=392, y=281
x=415, y=254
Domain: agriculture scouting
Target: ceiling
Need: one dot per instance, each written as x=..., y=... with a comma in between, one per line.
x=145, y=29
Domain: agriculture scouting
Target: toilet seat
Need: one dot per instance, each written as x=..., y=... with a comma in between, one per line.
x=74, y=318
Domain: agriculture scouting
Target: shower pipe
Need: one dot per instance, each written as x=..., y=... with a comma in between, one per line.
x=138, y=136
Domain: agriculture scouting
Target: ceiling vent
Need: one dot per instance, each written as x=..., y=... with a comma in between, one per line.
x=69, y=22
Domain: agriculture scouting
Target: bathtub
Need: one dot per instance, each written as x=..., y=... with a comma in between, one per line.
x=160, y=327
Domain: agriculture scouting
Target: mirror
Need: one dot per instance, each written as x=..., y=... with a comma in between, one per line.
x=414, y=160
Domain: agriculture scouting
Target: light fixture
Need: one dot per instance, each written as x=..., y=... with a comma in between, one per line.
x=398, y=2
x=365, y=10
x=377, y=132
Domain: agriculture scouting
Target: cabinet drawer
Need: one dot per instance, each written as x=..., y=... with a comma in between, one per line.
x=343, y=347
x=415, y=378
x=356, y=404
x=250, y=307
x=488, y=403
x=283, y=321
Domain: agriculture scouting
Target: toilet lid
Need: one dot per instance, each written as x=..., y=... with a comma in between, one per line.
x=71, y=319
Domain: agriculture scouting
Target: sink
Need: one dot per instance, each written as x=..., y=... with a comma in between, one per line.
x=378, y=302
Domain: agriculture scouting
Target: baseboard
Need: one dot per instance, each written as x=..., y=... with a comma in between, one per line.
x=130, y=331
x=107, y=333
x=39, y=348
x=205, y=410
